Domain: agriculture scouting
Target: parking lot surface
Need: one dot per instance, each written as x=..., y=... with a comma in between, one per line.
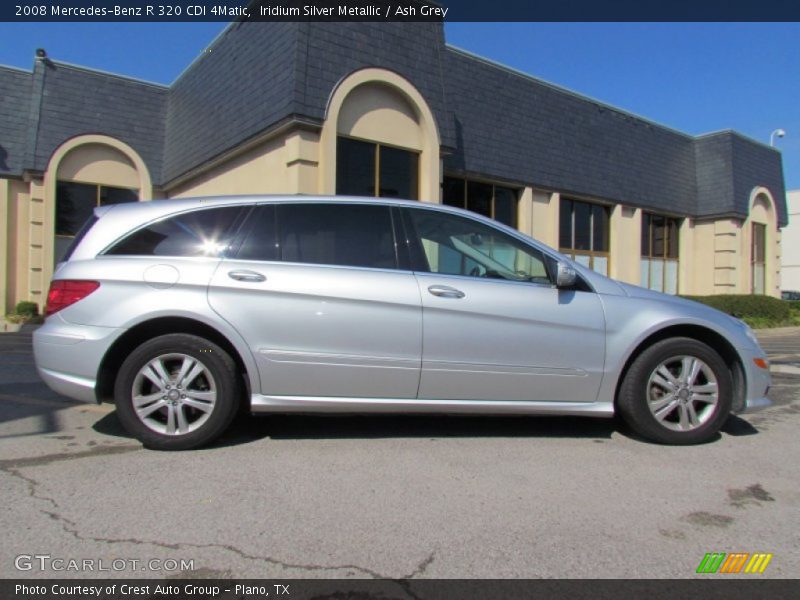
x=298, y=496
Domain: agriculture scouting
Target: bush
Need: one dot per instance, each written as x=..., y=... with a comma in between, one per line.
x=26, y=309
x=757, y=311
x=25, y=312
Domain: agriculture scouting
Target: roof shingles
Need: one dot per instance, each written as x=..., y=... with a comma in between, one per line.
x=15, y=101
x=493, y=122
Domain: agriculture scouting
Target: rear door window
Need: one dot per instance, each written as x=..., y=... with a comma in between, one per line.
x=206, y=232
x=350, y=235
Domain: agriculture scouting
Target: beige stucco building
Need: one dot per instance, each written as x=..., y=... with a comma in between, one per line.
x=790, y=255
x=390, y=110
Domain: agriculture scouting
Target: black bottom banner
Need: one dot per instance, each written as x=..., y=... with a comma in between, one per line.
x=365, y=589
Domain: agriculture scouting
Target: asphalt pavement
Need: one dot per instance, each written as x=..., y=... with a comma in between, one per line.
x=394, y=497
x=782, y=345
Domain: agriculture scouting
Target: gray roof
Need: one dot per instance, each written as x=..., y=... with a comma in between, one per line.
x=15, y=106
x=522, y=129
x=512, y=126
x=265, y=73
x=243, y=83
x=729, y=167
x=77, y=101
x=493, y=122
x=416, y=51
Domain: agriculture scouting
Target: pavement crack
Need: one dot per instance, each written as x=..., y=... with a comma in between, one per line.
x=421, y=567
x=72, y=528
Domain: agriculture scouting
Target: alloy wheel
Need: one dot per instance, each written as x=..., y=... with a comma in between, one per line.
x=682, y=393
x=174, y=394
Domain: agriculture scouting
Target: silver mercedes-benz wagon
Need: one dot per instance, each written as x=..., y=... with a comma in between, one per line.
x=183, y=311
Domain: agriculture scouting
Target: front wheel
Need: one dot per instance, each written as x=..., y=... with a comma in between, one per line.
x=677, y=391
x=177, y=392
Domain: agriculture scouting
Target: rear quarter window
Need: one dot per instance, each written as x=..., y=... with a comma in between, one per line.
x=206, y=232
x=78, y=237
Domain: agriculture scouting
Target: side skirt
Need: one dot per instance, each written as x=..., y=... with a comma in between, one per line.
x=317, y=404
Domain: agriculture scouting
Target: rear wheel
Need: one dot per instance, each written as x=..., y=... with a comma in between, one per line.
x=678, y=391
x=177, y=392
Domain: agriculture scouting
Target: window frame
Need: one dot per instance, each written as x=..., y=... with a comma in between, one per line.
x=754, y=239
x=591, y=253
x=98, y=204
x=376, y=176
x=419, y=261
x=235, y=230
x=465, y=196
x=402, y=262
x=665, y=256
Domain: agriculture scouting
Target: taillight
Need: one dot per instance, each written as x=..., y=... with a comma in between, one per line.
x=65, y=292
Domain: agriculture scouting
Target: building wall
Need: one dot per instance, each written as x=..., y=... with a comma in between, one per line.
x=790, y=257
x=284, y=164
x=28, y=208
x=74, y=102
x=20, y=246
x=300, y=158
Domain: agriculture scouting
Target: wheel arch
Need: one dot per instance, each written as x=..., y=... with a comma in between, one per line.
x=141, y=332
x=702, y=334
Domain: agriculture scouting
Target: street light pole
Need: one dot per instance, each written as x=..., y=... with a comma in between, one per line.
x=777, y=133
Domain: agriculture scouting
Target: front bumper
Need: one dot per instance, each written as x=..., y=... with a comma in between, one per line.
x=758, y=382
x=68, y=356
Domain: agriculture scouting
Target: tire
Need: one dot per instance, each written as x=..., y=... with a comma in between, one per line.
x=678, y=391
x=184, y=403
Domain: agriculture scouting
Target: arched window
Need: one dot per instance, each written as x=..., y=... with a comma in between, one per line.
x=378, y=144
x=759, y=215
x=88, y=176
x=379, y=139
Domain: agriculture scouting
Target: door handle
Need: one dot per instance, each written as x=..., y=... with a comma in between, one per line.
x=246, y=276
x=445, y=291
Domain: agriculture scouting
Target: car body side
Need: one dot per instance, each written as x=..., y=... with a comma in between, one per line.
x=74, y=341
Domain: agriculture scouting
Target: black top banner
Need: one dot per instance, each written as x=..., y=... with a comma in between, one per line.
x=398, y=10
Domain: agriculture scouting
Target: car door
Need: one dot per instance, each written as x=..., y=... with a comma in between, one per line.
x=494, y=327
x=315, y=290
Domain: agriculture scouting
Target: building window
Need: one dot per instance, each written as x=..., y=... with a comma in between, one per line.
x=660, y=253
x=493, y=201
x=75, y=203
x=583, y=233
x=370, y=169
x=758, y=258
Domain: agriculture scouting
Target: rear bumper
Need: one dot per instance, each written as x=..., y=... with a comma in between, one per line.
x=68, y=356
x=77, y=388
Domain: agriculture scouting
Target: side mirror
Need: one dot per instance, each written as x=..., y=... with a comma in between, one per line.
x=565, y=276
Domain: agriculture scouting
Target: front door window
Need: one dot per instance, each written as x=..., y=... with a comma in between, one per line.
x=454, y=245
